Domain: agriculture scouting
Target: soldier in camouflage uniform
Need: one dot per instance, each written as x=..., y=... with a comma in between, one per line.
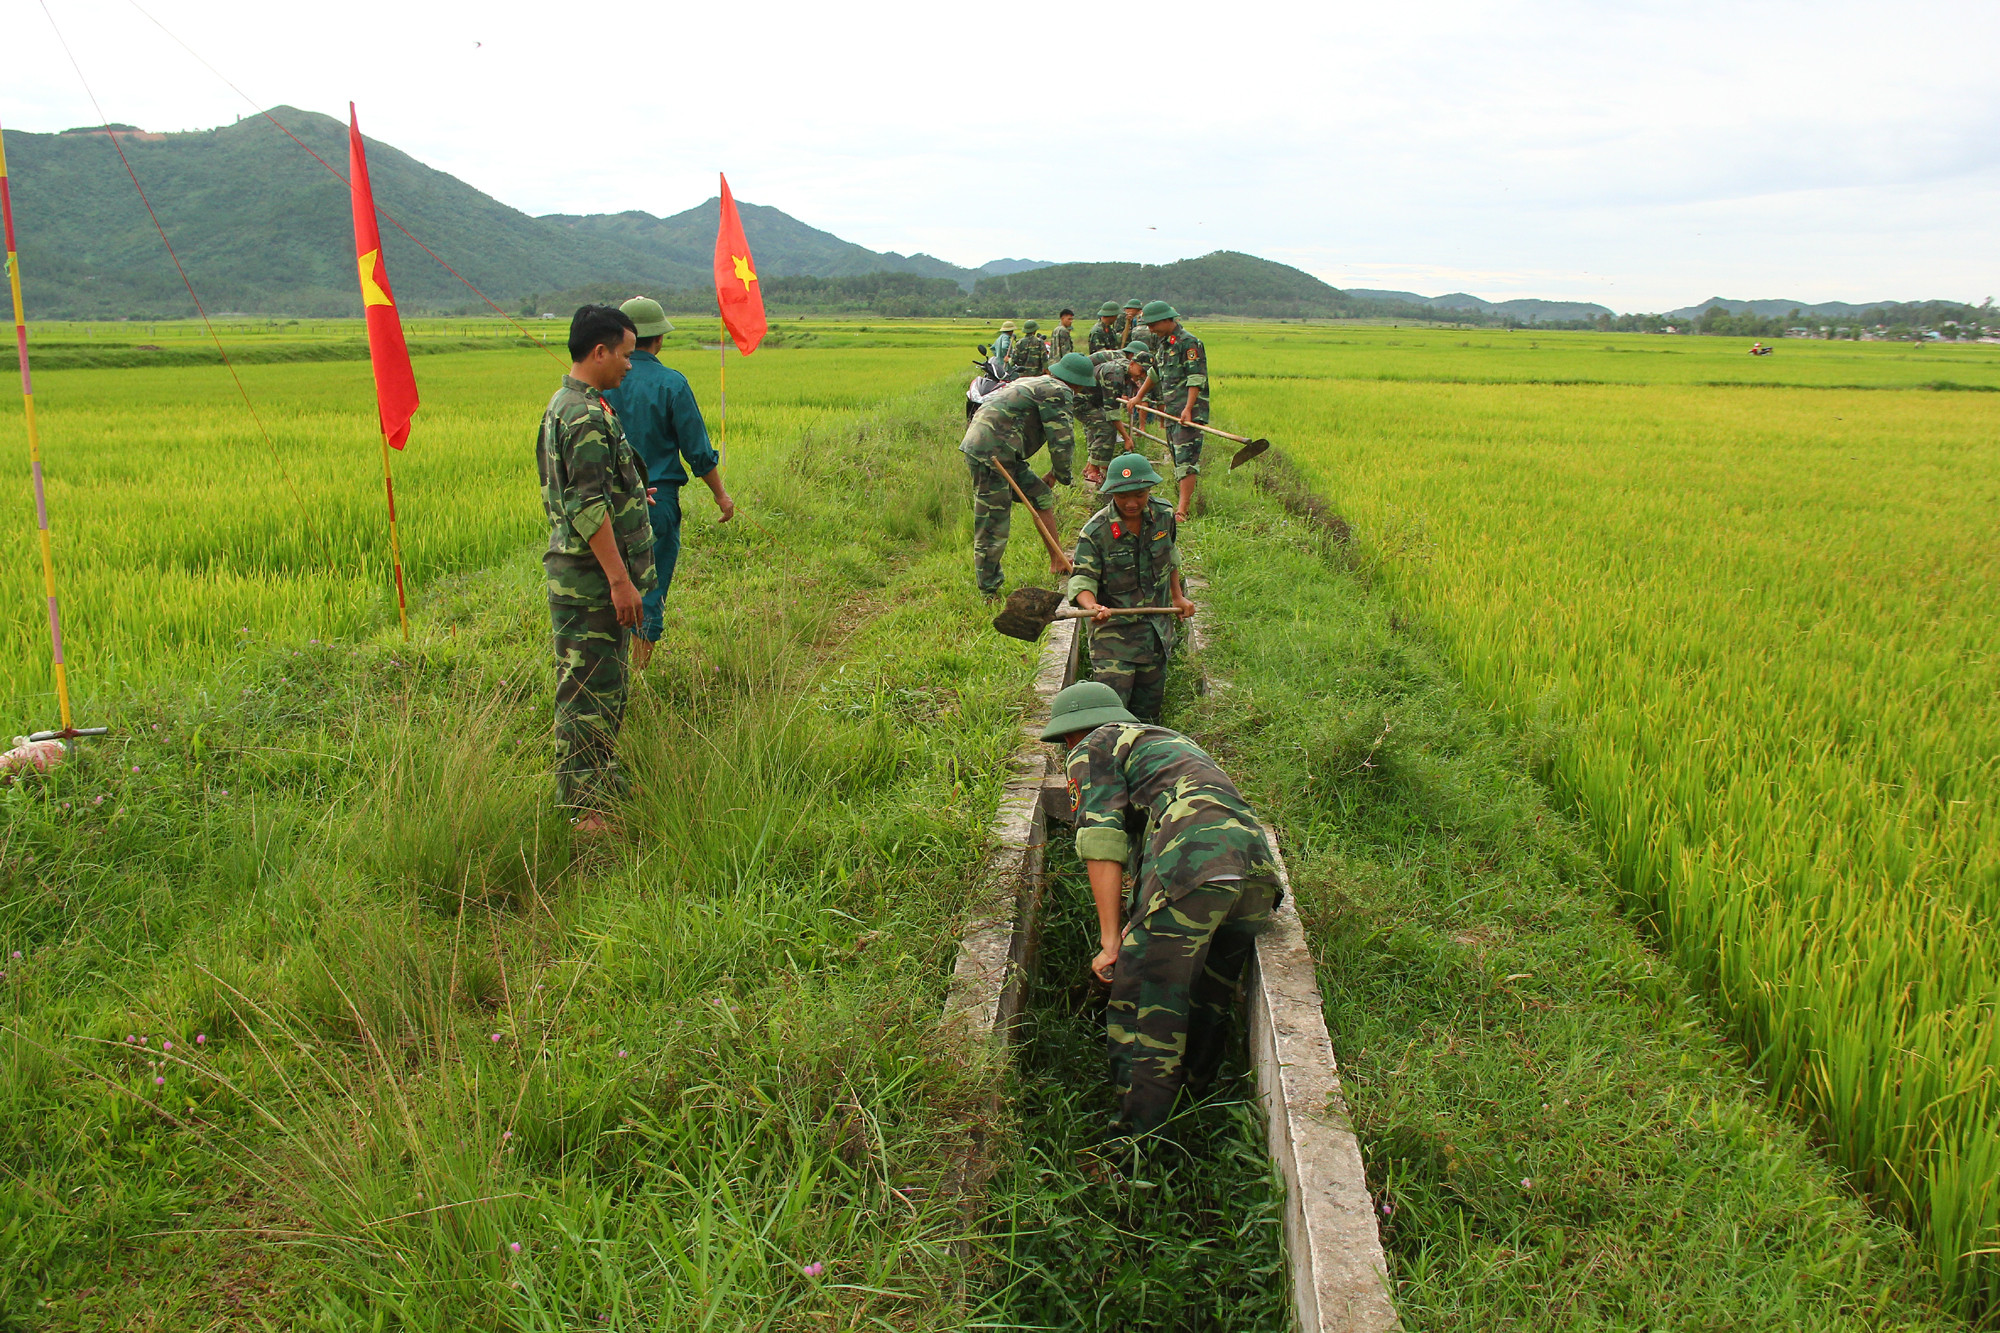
x=1009, y=428
x=1100, y=412
x=1126, y=556
x=1129, y=327
x=599, y=560
x=1029, y=354
x=1207, y=884
x=1065, y=339
x=1104, y=333
x=1180, y=368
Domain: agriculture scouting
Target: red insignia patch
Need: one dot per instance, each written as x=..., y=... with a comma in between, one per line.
x=1114, y=529
x=1075, y=795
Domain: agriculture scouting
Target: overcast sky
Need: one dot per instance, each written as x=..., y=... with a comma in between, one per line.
x=1642, y=155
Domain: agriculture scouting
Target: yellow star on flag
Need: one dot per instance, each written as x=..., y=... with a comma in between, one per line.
x=371, y=286
x=744, y=273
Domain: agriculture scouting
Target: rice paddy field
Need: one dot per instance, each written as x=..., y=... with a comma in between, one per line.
x=1636, y=730
x=1755, y=600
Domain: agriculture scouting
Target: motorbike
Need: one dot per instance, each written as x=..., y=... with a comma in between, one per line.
x=992, y=374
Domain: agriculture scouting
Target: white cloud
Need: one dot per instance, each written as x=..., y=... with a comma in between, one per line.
x=1644, y=155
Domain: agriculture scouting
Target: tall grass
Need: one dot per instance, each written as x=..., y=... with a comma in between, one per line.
x=1763, y=619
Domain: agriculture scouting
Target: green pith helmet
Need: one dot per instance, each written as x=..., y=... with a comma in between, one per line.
x=1008, y=327
x=1109, y=310
x=1132, y=304
x=1030, y=326
x=646, y=314
x=1074, y=368
x=1084, y=706
x=1128, y=472
x=1156, y=311
x=1138, y=351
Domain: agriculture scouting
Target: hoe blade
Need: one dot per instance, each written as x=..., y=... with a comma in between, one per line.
x=1248, y=452
x=1028, y=612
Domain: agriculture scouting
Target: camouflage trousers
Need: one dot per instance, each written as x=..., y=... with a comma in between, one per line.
x=993, y=513
x=1141, y=686
x=1176, y=987
x=1185, y=444
x=591, y=687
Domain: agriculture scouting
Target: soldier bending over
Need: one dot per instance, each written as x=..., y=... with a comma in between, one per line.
x=1207, y=884
x=1009, y=428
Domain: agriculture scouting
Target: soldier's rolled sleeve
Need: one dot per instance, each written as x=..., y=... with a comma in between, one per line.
x=691, y=432
x=1100, y=798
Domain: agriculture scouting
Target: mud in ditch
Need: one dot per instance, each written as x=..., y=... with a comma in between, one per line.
x=1188, y=1237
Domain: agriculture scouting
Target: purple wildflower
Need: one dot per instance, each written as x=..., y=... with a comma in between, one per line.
x=813, y=1269
x=514, y=1245
x=201, y=1039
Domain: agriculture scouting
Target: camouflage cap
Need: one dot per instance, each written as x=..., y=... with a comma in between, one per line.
x=1132, y=304
x=1074, y=368
x=1029, y=326
x=1138, y=351
x=1108, y=309
x=1084, y=706
x=647, y=316
x=1128, y=472
x=1156, y=311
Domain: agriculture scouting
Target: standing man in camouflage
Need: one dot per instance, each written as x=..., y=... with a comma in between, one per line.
x=1065, y=339
x=1007, y=430
x=1104, y=333
x=1099, y=410
x=663, y=423
x=1208, y=883
x=599, y=559
x=1126, y=555
x=1129, y=327
x=1180, y=368
x=1029, y=354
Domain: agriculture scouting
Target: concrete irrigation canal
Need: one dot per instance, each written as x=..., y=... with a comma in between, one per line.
x=1332, y=1248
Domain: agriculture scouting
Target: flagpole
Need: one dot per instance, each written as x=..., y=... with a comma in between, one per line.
x=395, y=539
x=34, y=448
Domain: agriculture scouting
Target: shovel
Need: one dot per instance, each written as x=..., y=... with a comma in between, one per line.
x=1056, y=552
x=1251, y=448
x=1029, y=611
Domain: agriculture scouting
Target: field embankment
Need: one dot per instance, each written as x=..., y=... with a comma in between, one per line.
x=1752, y=630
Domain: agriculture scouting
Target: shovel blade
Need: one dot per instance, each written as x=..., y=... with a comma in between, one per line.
x=1027, y=613
x=1248, y=452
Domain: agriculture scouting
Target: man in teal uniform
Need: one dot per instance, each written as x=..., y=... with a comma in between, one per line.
x=663, y=423
x=599, y=560
x=1208, y=883
x=1126, y=556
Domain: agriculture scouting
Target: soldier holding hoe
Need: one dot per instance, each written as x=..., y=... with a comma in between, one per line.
x=1180, y=368
x=1126, y=556
x=1118, y=375
x=1208, y=883
x=599, y=560
x=1007, y=430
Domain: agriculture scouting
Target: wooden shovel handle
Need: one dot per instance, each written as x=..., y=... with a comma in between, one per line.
x=1085, y=612
x=1169, y=416
x=1056, y=552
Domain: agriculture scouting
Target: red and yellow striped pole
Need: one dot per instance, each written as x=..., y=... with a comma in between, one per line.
x=34, y=445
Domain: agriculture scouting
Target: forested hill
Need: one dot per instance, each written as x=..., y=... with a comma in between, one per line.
x=263, y=228
x=1223, y=283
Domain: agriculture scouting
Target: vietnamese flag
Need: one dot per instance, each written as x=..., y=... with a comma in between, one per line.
x=395, y=383
x=736, y=289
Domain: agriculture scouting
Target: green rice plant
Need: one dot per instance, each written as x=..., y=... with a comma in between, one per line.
x=1763, y=618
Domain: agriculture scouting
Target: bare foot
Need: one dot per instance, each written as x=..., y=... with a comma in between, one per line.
x=590, y=825
x=642, y=653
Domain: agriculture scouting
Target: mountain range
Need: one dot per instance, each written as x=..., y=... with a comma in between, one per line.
x=260, y=227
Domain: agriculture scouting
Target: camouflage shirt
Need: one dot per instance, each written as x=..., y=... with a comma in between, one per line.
x=1098, y=408
x=1180, y=363
x=1104, y=337
x=590, y=477
x=1029, y=356
x=1126, y=564
x=1065, y=341
x=1201, y=827
x=1020, y=417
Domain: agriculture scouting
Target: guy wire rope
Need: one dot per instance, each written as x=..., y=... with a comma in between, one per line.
x=305, y=513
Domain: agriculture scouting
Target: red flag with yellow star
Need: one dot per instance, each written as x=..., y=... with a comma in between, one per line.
x=736, y=289
x=395, y=382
